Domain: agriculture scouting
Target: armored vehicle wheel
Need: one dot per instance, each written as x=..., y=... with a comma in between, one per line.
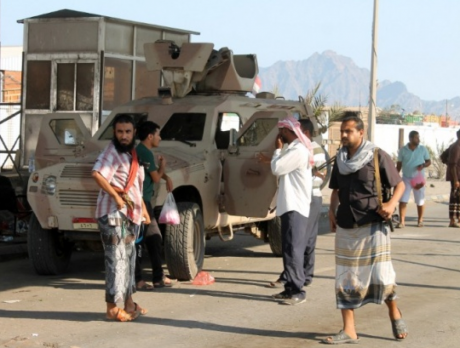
x=49, y=253
x=274, y=236
x=185, y=243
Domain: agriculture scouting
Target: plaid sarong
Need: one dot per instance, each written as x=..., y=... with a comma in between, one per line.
x=454, y=203
x=364, y=271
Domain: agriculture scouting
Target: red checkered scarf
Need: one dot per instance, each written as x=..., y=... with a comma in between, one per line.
x=291, y=123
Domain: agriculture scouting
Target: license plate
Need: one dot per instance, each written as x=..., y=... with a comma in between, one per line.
x=85, y=226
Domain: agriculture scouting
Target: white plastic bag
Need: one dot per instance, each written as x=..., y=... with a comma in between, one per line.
x=169, y=213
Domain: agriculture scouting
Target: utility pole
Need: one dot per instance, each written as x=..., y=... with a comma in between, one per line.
x=373, y=84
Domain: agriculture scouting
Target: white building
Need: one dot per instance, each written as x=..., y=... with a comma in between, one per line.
x=10, y=60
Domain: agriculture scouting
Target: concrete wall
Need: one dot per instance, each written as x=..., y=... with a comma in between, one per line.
x=387, y=136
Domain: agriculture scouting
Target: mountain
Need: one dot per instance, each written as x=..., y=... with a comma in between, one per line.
x=343, y=82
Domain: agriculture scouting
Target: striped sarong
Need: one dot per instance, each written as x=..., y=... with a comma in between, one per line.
x=364, y=271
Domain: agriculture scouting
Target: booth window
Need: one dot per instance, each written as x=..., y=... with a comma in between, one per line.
x=117, y=82
x=147, y=82
x=75, y=86
x=38, y=82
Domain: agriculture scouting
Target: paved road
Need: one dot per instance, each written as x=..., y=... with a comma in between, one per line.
x=67, y=311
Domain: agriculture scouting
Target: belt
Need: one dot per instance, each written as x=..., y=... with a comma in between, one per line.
x=355, y=225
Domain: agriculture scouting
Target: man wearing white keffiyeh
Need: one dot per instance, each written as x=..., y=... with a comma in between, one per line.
x=293, y=167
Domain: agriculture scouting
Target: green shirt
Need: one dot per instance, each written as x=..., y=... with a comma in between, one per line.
x=410, y=159
x=147, y=160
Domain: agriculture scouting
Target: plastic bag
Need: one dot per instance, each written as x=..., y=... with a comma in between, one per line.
x=203, y=278
x=418, y=181
x=169, y=213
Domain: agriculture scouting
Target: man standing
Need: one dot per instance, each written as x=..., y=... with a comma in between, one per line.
x=364, y=271
x=149, y=135
x=315, y=208
x=293, y=167
x=412, y=158
x=120, y=211
x=453, y=175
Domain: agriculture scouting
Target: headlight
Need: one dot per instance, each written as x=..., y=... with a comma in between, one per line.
x=50, y=185
x=35, y=177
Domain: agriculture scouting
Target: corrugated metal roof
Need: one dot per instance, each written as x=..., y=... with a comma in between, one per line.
x=66, y=13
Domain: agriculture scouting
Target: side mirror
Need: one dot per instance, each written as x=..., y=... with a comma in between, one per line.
x=232, y=148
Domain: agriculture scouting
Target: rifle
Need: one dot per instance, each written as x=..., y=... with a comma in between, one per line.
x=378, y=185
x=325, y=164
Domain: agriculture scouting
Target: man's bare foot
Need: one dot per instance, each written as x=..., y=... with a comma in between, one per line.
x=398, y=325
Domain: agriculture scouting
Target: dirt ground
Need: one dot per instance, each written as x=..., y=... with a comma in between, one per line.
x=237, y=311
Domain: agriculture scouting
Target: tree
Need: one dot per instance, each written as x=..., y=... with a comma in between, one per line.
x=276, y=90
x=437, y=169
x=318, y=104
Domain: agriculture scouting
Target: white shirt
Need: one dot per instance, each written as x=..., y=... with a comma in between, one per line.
x=320, y=158
x=295, y=179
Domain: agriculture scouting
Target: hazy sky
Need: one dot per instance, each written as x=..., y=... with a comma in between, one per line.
x=418, y=40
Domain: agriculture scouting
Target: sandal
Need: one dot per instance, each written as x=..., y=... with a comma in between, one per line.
x=162, y=284
x=400, y=225
x=340, y=338
x=399, y=327
x=420, y=224
x=144, y=287
x=124, y=316
x=139, y=309
x=454, y=225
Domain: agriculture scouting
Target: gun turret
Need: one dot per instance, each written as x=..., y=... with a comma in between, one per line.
x=198, y=67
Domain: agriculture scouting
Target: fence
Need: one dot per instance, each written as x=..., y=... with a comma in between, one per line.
x=10, y=136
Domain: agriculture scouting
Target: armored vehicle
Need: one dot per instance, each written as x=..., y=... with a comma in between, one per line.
x=211, y=132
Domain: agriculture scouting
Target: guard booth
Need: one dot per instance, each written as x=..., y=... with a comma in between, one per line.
x=85, y=63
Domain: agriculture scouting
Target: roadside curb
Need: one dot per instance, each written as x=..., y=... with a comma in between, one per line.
x=436, y=198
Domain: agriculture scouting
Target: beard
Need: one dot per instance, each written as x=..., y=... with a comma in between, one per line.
x=123, y=148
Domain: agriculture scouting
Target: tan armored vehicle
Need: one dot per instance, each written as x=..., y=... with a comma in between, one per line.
x=211, y=132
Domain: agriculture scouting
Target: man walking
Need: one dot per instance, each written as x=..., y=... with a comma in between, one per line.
x=120, y=211
x=149, y=135
x=453, y=175
x=315, y=209
x=412, y=158
x=293, y=167
x=364, y=271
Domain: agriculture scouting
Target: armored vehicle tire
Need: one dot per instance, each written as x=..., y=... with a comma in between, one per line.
x=185, y=243
x=48, y=252
x=274, y=236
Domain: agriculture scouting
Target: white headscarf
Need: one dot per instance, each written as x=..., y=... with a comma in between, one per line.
x=291, y=123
